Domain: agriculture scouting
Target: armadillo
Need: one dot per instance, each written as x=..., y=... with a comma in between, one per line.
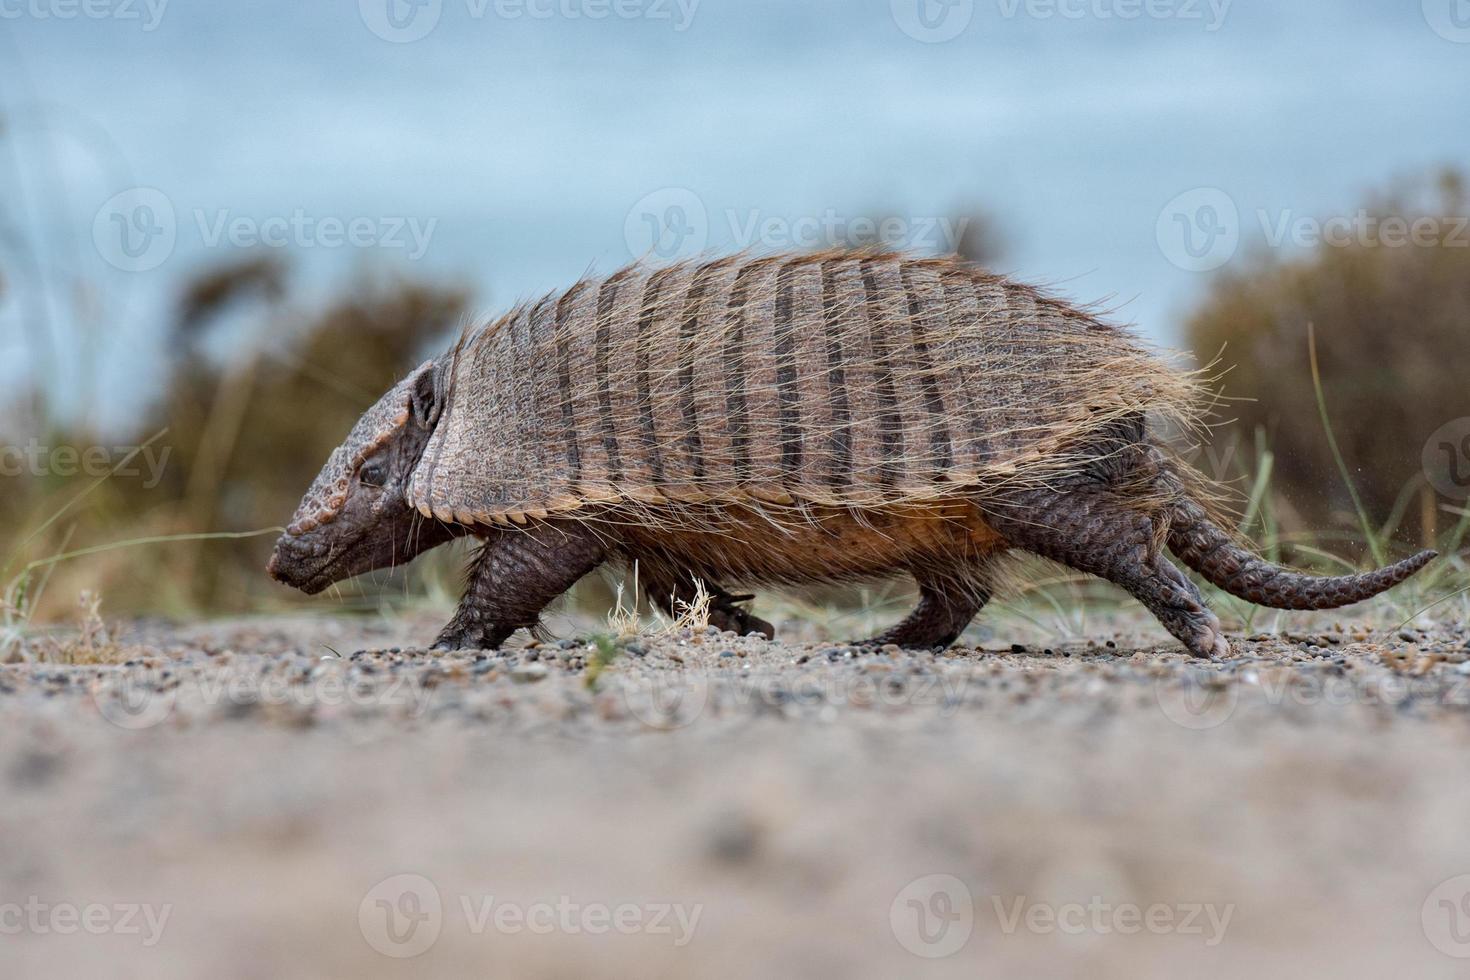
x=786, y=419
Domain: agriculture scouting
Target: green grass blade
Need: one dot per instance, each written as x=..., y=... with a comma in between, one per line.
x=1368, y=531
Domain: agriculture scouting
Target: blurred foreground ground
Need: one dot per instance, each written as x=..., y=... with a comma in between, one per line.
x=237, y=801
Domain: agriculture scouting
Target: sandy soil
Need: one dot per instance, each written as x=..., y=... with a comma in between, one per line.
x=237, y=800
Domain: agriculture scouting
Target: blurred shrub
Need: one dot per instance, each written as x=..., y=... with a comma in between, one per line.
x=1392, y=325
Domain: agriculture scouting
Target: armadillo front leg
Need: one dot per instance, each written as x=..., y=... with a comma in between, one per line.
x=944, y=610
x=1092, y=531
x=514, y=576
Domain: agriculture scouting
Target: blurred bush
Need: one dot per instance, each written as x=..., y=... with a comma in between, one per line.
x=1392, y=325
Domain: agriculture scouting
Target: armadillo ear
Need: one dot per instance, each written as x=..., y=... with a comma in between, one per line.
x=423, y=396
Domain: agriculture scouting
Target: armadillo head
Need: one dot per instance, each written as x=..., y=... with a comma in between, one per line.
x=356, y=516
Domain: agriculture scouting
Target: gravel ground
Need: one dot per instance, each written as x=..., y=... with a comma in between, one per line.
x=254, y=799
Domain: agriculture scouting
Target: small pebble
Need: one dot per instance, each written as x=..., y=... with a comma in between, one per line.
x=528, y=673
x=734, y=839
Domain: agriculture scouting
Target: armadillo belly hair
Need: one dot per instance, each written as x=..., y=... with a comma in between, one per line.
x=702, y=395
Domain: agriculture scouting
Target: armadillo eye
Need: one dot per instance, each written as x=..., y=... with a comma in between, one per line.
x=373, y=475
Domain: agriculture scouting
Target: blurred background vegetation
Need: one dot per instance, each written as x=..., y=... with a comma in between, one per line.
x=259, y=391
x=1392, y=328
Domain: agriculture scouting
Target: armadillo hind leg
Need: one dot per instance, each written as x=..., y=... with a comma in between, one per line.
x=513, y=578
x=674, y=590
x=945, y=608
x=1091, y=531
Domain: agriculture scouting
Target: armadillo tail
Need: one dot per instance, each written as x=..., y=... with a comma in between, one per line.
x=1204, y=547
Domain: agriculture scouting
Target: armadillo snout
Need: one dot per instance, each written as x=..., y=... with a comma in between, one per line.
x=299, y=563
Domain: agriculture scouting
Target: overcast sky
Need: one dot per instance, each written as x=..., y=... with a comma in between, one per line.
x=1126, y=146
